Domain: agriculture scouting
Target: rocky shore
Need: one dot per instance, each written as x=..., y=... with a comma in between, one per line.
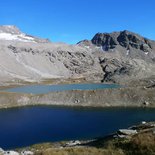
x=126, y=97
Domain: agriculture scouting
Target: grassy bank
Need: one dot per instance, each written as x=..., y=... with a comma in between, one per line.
x=141, y=143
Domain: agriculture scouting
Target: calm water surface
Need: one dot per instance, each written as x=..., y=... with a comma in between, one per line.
x=42, y=89
x=29, y=125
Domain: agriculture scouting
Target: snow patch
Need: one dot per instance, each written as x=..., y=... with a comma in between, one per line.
x=87, y=47
x=100, y=48
x=127, y=52
x=18, y=37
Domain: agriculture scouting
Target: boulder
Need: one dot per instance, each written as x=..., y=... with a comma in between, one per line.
x=10, y=153
x=127, y=132
x=146, y=103
x=27, y=153
x=73, y=143
x=1, y=151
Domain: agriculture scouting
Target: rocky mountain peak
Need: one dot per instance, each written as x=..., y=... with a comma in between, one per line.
x=106, y=40
x=129, y=39
x=125, y=39
x=10, y=29
x=13, y=33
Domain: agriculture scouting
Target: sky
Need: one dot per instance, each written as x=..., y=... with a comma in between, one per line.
x=71, y=21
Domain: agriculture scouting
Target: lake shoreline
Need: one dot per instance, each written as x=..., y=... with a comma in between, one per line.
x=75, y=107
x=121, y=142
x=55, y=124
x=120, y=97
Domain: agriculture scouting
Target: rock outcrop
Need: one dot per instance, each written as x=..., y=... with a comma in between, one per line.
x=126, y=39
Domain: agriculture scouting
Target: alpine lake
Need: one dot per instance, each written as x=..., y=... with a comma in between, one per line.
x=24, y=126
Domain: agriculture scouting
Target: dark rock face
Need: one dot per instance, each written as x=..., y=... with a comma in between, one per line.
x=113, y=68
x=107, y=41
x=126, y=39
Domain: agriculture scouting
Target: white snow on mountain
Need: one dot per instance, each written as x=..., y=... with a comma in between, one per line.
x=12, y=33
x=18, y=37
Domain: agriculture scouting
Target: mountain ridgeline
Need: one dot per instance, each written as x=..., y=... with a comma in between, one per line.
x=117, y=57
x=125, y=39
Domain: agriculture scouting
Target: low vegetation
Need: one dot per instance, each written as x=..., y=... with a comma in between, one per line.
x=142, y=143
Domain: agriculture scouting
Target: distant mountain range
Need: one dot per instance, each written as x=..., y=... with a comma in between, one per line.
x=109, y=57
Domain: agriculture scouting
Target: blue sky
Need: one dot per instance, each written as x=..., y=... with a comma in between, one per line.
x=74, y=20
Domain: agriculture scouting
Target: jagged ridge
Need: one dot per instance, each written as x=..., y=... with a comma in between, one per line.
x=125, y=39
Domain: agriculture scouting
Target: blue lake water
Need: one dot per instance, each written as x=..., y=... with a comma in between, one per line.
x=29, y=125
x=42, y=89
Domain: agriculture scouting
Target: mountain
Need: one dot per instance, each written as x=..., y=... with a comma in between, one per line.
x=109, y=57
x=27, y=58
x=123, y=55
x=12, y=33
x=126, y=42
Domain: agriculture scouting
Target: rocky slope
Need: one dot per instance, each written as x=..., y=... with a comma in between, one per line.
x=24, y=57
x=109, y=57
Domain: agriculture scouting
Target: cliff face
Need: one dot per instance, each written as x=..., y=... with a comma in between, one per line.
x=126, y=39
x=108, y=57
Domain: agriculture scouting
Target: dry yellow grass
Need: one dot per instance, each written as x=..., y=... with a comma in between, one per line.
x=142, y=143
x=80, y=151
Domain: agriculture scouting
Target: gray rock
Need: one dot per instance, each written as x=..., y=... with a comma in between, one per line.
x=10, y=153
x=143, y=122
x=73, y=143
x=106, y=40
x=27, y=153
x=146, y=103
x=127, y=132
x=1, y=151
